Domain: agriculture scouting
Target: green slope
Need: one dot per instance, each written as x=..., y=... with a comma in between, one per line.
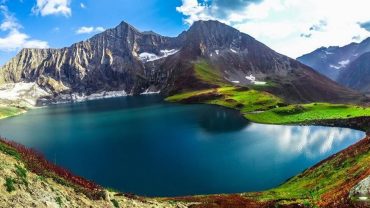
x=6, y=111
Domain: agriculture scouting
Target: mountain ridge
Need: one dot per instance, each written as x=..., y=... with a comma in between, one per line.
x=332, y=61
x=124, y=59
x=357, y=76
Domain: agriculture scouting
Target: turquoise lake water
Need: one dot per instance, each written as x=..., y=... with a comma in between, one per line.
x=144, y=146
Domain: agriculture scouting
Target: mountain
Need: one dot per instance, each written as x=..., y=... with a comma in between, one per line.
x=333, y=60
x=125, y=60
x=107, y=61
x=357, y=75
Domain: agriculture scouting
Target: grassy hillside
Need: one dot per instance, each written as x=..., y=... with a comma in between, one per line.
x=328, y=182
x=308, y=112
x=7, y=111
x=28, y=180
x=238, y=98
x=263, y=107
x=205, y=72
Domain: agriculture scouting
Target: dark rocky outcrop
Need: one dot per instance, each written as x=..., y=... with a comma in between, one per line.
x=359, y=123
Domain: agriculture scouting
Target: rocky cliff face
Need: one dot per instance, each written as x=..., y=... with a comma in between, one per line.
x=124, y=59
x=107, y=61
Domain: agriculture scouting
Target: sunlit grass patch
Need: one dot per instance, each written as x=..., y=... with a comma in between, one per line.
x=6, y=111
x=308, y=112
x=243, y=99
x=205, y=72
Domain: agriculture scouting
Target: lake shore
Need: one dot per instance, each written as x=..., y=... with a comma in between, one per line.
x=265, y=108
x=291, y=193
x=6, y=111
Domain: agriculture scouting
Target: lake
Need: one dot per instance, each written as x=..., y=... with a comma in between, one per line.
x=145, y=146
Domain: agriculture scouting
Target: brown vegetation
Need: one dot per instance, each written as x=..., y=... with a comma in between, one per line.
x=36, y=163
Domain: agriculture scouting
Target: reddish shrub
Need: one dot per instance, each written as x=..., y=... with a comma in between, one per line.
x=36, y=163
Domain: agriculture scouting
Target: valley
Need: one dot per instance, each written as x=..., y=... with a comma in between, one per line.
x=226, y=126
x=253, y=96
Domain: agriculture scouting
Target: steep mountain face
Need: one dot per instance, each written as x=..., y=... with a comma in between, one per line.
x=124, y=59
x=332, y=61
x=357, y=76
x=238, y=56
x=111, y=60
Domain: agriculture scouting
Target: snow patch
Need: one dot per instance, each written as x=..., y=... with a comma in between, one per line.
x=328, y=53
x=236, y=82
x=232, y=50
x=344, y=63
x=251, y=78
x=334, y=67
x=217, y=52
x=259, y=83
x=341, y=64
x=254, y=81
x=22, y=92
x=149, y=92
x=148, y=57
x=170, y=52
x=362, y=198
x=81, y=97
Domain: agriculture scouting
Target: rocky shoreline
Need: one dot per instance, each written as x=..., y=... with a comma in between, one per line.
x=359, y=123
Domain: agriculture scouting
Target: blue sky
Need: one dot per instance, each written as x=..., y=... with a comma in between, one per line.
x=291, y=27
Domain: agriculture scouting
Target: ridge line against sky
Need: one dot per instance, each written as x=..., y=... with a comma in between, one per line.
x=291, y=27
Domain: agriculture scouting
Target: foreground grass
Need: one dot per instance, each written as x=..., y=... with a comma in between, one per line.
x=36, y=163
x=263, y=107
x=326, y=183
x=27, y=180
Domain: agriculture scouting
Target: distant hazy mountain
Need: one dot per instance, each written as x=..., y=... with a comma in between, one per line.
x=124, y=59
x=332, y=61
x=357, y=74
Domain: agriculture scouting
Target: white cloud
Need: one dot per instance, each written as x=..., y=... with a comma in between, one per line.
x=82, y=5
x=14, y=39
x=194, y=11
x=310, y=141
x=291, y=27
x=52, y=7
x=89, y=30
